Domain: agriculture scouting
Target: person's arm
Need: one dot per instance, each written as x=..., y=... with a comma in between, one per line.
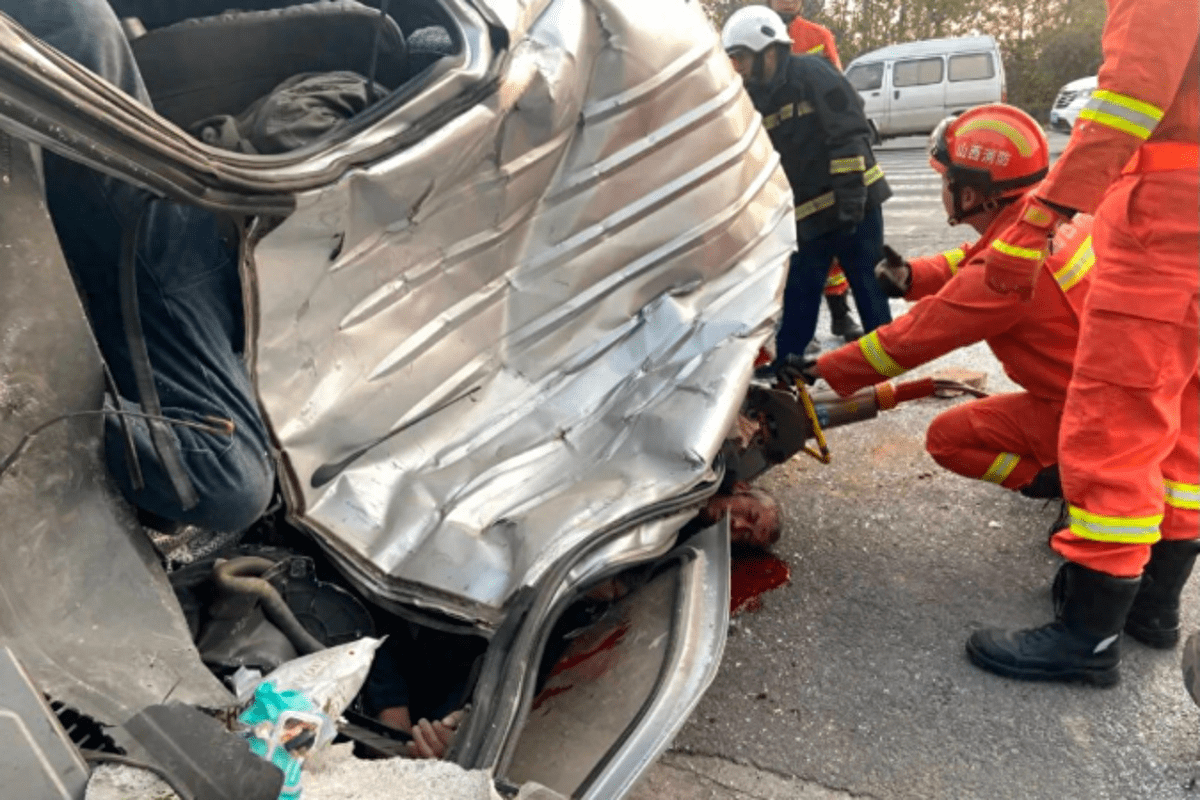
x=965, y=311
x=931, y=273
x=847, y=136
x=831, y=48
x=1147, y=45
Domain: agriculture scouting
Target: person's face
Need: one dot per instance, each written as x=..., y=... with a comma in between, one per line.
x=751, y=521
x=785, y=7
x=743, y=63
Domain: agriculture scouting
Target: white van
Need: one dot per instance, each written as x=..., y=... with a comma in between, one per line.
x=909, y=88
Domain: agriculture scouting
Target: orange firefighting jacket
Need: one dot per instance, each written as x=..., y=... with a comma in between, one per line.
x=1034, y=341
x=811, y=39
x=1148, y=92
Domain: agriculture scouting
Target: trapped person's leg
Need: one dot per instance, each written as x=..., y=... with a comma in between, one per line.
x=87, y=31
x=858, y=253
x=188, y=289
x=1005, y=439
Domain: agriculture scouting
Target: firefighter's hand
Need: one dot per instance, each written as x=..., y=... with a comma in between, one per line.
x=893, y=273
x=1016, y=256
x=798, y=368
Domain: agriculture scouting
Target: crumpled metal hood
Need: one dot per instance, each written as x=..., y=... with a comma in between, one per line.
x=540, y=319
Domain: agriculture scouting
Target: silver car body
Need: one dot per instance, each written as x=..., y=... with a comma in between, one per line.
x=499, y=326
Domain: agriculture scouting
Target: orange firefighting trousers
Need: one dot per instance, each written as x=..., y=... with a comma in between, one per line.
x=1004, y=439
x=1128, y=444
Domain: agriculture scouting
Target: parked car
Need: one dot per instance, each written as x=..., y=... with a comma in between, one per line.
x=1071, y=99
x=499, y=324
x=909, y=88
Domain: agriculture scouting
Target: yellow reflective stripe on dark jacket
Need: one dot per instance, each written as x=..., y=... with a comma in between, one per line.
x=839, y=166
x=877, y=357
x=1181, y=495
x=1122, y=112
x=818, y=203
x=1080, y=264
x=872, y=175
x=1123, y=530
x=787, y=112
x=1001, y=468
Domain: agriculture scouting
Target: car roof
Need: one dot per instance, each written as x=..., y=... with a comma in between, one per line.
x=928, y=47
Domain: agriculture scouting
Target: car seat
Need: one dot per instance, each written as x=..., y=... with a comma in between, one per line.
x=221, y=64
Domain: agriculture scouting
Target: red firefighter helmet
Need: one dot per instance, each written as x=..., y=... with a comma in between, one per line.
x=998, y=149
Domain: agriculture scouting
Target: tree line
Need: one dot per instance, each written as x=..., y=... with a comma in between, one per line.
x=1045, y=43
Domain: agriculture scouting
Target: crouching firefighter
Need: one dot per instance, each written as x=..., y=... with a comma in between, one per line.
x=1128, y=445
x=816, y=123
x=989, y=158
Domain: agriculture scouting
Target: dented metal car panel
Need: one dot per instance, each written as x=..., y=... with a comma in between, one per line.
x=499, y=324
x=533, y=323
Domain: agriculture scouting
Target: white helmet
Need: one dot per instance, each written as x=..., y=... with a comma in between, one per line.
x=754, y=28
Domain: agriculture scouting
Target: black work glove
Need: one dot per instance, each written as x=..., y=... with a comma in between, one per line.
x=851, y=204
x=893, y=273
x=798, y=368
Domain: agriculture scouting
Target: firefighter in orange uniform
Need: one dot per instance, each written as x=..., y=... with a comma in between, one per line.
x=1128, y=446
x=809, y=38
x=989, y=158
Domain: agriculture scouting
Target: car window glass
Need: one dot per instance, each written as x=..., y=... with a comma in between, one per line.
x=974, y=67
x=866, y=77
x=918, y=72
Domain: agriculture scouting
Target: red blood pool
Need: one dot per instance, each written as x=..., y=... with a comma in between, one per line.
x=751, y=576
x=590, y=656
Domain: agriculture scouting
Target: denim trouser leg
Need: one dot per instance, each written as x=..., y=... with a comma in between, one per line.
x=858, y=253
x=802, y=296
x=188, y=289
x=87, y=31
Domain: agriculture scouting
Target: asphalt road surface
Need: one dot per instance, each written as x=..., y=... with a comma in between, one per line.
x=851, y=681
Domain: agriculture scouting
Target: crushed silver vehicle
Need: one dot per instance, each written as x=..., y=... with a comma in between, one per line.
x=499, y=324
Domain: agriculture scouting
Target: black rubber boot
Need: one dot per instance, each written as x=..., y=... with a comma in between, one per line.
x=844, y=324
x=1154, y=618
x=1046, y=485
x=1082, y=644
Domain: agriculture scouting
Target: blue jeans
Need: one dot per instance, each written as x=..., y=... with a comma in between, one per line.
x=858, y=252
x=189, y=291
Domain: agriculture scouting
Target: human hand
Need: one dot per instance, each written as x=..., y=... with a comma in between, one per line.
x=432, y=739
x=893, y=273
x=1012, y=262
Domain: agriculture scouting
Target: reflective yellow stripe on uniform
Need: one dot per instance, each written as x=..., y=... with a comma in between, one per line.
x=1001, y=468
x=1122, y=112
x=954, y=258
x=877, y=357
x=835, y=280
x=872, y=175
x=1080, y=264
x=818, y=49
x=784, y=113
x=818, y=203
x=1017, y=252
x=1181, y=495
x=854, y=164
x=1123, y=530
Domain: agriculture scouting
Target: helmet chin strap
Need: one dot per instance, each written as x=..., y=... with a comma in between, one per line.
x=987, y=206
